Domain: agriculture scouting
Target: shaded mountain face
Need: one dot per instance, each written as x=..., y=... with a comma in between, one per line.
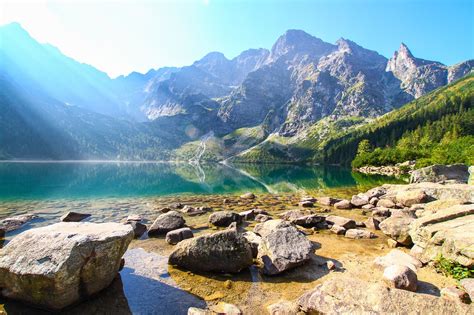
x=287, y=92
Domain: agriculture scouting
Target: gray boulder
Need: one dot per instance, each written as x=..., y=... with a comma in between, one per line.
x=343, y=204
x=254, y=241
x=265, y=228
x=74, y=216
x=457, y=173
x=309, y=220
x=224, y=218
x=341, y=221
x=338, y=230
x=400, y=277
x=61, y=264
x=359, y=234
x=360, y=200
x=224, y=251
x=387, y=203
x=398, y=228
x=176, y=236
x=138, y=228
x=166, y=222
x=282, y=249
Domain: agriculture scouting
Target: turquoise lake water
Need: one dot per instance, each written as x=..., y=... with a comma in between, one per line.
x=53, y=180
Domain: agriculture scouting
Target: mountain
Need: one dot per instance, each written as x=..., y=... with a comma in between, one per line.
x=277, y=105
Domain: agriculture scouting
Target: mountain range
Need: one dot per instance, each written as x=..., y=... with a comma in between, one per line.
x=252, y=107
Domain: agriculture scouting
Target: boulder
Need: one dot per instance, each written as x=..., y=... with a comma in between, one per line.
x=283, y=308
x=247, y=215
x=309, y=220
x=294, y=214
x=381, y=212
x=397, y=257
x=400, y=277
x=341, y=221
x=372, y=223
x=449, y=232
x=338, y=230
x=58, y=265
x=410, y=197
x=468, y=285
x=455, y=294
x=376, y=192
x=138, y=228
x=191, y=211
x=248, y=196
x=225, y=308
x=254, y=241
x=457, y=173
x=328, y=201
x=134, y=217
x=387, y=203
x=343, y=204
x=348, y=295
x=14, y=223
x=176, y=236
x=360, y=200
x=374, y=200
x=434, y=191
x=359, y=234
x=74, y=216
x=166, y=222
x=224, y=218
x=224, y=251
x=398, y=229
x=282, y=249
x=262, y=218
x=265, y=228
x=306, y=204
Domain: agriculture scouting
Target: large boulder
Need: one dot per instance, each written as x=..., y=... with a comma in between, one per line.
x=55, y=266
x=224, y=251
x=343, y=204
x=344, y=295
x=282, y=249
x=224, y=218
x=449, y=232
x=434, y=191
x=457, y=173
x=400, y=277
x=408, y=198
x=341, y=221
x=309, y=220
x=265, y=228
x=176, y=236
x=360, y=200
x=166, y=222
x=398, y=229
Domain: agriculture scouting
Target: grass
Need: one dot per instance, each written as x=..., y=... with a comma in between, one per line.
x=452, y=268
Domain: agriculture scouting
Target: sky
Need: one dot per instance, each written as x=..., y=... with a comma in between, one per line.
x=121, y=36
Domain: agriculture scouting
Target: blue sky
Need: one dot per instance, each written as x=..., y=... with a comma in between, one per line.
x=123, y=35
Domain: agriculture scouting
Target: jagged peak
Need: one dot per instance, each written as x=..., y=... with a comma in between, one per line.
x=214, y=56
x=404, y=50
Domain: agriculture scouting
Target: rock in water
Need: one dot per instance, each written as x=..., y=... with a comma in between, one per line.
x=283, y=249
x=13, y=223
x=166, y=222
x=457, y=173
x=55, y=266
x=343, y=295
x=176, y=236
x=225, y=251
x=138, y=228
x=74, y=216
x=400, y=277
x=224, y=218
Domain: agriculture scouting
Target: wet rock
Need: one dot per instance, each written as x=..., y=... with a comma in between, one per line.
x=138, y=228
x=343, y=204
x=359, y=234
x=282, y=249
x=252, y=213
x=328, y=201
x=400, y=277
x=468, y=286
x=457, y=173
x=341, y=221
x=14, y=223
x=306, y=204
x=164, y=210
x=397, y=257
x=224, y=218
x=74, y=217
x=309, y=220
x=55, y=266
x=372, y=223
x=254, y=241
x=344, y=295
x=449, y=232
x=411, y=197
x=248, y=196
x=283, y=308
x=455, y=294
x=166, y=222
x=398, y=229
x=176, y=236
x=262, y=218
x=386, y=203
x=338, y=230
x=359, y=200
x=265, y=228
x=224, y=251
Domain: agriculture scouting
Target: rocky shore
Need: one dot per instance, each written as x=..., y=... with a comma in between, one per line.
x=375, y=251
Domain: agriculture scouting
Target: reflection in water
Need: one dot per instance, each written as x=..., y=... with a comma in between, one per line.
x=93, y=180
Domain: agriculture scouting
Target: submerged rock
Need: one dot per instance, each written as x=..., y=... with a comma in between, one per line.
x=14, y=223
x=224, y=251
x=55, y=266
x=224, y=218
x=283, y=248
x=345, y=295
x=176, y=236
x=400, y=277
x=166, y=222
x=457, y=173
x=74, y=217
